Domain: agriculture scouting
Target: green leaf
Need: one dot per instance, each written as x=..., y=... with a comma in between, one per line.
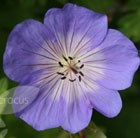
x=3, y=133
x=3, y=85
x=92, y=131
x=5, y=106
x=130, y=25
x=2, y=124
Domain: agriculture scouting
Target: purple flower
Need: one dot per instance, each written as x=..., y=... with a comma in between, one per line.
x=77, y=63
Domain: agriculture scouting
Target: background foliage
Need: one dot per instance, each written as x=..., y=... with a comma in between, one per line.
x=123, y=15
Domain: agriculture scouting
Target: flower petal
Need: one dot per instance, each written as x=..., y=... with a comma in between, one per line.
x=77, y=111
x=107, y=102
x=42, y=113
x=77, y=29
x=23, y=97
x=45, y=110
x=59, y=104
x=27, y=49
x=114, y=62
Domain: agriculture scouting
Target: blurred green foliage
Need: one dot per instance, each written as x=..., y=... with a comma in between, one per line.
x=123, y=15
x=131, y=19
x=3, y=85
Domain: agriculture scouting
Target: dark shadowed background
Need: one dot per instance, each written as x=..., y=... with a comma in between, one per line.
x=123, y=15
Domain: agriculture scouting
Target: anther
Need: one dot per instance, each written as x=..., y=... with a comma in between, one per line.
x=60, y=64
x=63, y=78
x=70, y=58
x=81, y=66
x=81, y=73
x=79, y=61
x=80, y=78
x=74, y=70
x=72, y=80
x=59, y=73
x=65, y=58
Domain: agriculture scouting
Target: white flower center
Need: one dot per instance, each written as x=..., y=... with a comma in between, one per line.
x=69, y=66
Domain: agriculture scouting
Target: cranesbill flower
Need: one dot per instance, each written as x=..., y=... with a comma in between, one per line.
x=77, y=63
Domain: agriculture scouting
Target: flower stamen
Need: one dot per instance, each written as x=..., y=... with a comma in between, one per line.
x=72, y=80
x=70, y=58
x=80, y=78
x=70, y=65
x=74, y=70
x=81, y=73
x=63, y=78
x=60, y=73
x=81, y=66
x=65, y=58
x=60, y=64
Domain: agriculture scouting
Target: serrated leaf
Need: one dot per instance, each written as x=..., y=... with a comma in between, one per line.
x=130, y=25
